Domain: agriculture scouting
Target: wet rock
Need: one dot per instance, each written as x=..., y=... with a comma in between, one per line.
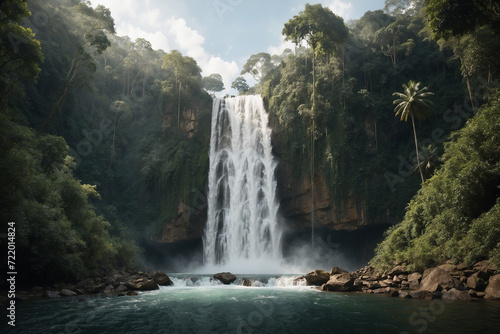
x=142, y=285
x=437, y=279
x=121, y=288
x=162, y=279
x=225, y=277
x=404, y=294
x=493, y=289
x=317, y=277
x=339, y=282
x=132, y=293
x=421, y=294
x=455, y=294
x=67, y=293
x=51, y=294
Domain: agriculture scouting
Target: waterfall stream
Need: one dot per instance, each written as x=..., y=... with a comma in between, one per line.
x=242, y=224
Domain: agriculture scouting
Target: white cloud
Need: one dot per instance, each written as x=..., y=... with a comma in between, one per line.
x=139, y=20
x=278, y=49
x=340, y=8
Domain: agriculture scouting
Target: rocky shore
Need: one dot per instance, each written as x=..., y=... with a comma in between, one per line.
x=448, y=281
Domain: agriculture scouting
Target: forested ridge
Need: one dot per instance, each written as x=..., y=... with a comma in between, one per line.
x=105, y=138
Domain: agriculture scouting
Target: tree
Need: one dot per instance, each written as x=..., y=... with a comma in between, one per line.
x=20, y=51
x=240, y=84
x=320, y=28
x=213, y=83
x=413, y=103
x=97, y=21
x=449, y=18
x=185, y=71
x=258, y=65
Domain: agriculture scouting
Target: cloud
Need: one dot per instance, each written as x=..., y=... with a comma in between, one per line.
x=278, y=49
x=340, y=8
x=141, y=20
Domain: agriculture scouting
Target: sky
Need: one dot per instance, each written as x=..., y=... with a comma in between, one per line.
x=219, y=34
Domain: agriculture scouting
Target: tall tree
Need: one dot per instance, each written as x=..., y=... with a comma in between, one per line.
x=185, y=72
x=320, y=28
x=213, y=83
x=413, y=103
x=240, y=84
x=20, y=51
x=97, y=21
x=258, y=65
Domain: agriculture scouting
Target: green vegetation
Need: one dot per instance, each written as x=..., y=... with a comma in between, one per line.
x=455, y=216
x=413, y=103
x=104, y=139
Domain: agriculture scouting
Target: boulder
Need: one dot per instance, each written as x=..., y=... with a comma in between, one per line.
x=339, y=282
x=317, y=277
x=225, y=278
x=337, y=270
x=142, y=285
x=493, y=289
x=67, y=293
x=485, y=266
x=162, y=279
x=455, y=294
x=121, y=288
x=414, y=277
x=436, y=280
x=398, y=270
x=476, y=283
x=51, y=294
x=404, y=294
x=421, y=294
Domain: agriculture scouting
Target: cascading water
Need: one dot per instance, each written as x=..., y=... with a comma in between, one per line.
x=242, y=224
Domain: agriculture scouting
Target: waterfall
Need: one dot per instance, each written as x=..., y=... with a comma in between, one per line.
x=242, y=224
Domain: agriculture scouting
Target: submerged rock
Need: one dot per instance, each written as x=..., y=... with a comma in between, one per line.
x=317, y=277
x=455, y=294
x=225, y=278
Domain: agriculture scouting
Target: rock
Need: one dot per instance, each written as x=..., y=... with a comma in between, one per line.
x=393, y=293
x=480, y=294
x=421, y=294
x=339, y=282
x=476, y=283
x=317, y=277
x=436, y=279
x=162, y=279
x=132, y=293
x=404, y=294
x=398, y=270
x=247, y=282
x=51, y=294
x=414, y=285
x=142, y=285
x=448, y=267
x=67, y=293
x=225, y=278
x=493, y=289
x=414, y=277
x=337, y=270
x=454, y=294
x=121, y=288
x=485, y=266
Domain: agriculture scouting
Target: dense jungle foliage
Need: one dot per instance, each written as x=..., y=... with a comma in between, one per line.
x=103, y=137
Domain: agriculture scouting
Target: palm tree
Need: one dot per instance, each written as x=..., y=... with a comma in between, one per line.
x=413, y=103
x=429, y=160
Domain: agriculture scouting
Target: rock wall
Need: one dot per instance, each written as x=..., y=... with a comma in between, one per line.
x=296, y=204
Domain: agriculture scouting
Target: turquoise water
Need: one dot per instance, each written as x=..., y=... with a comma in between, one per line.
x=275, y=307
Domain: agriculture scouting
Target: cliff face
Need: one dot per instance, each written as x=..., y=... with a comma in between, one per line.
x=294, y=193
x=296, y=204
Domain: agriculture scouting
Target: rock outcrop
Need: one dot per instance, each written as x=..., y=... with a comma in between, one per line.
x=225, y=278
